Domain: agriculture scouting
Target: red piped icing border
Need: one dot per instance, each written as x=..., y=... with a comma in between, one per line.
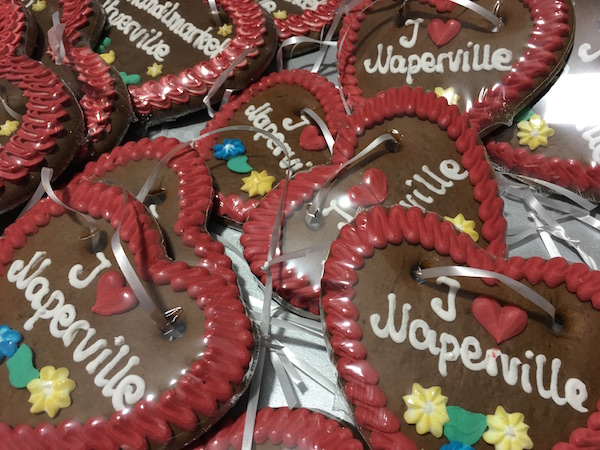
x=232, y=206
x=568, y=173
x=550, y=33
x=228, y=336
x=291, y=428
x=375, y=230
x=250, y=25
x=309, y=20
x=392, y=103
x=41, y=124
x=12, y=27
x=194, y=196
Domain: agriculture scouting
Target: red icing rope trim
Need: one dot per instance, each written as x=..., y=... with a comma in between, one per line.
x=324, y=91
x=297, y=428
x=40, y=125
x=550, y=33
x=194, y=196
x=376, y=229
x=12, y=27
x=309, y=20
x=568, y=173
x=394, y=102
x=250, y=25
x=228, y=335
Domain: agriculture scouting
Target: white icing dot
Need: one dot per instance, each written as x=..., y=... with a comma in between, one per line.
x=119, y=340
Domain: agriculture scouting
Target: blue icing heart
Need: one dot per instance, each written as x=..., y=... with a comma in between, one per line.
x=9, y=341
x=464, y=427
x=20, y=367
x=239, y=164
x=455, y=445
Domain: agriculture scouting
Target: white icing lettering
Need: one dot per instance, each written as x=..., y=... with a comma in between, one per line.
x=410, y=43
x=592, y=136
x=448, y=315
x=77, y=270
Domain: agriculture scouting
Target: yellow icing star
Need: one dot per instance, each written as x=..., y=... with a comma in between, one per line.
x=38, y=6
x=426, y=409
x=534, y=132
x=109, y=57
x=280, y=14
x=449, y=94
x=154, y=70
x=507, y=431
x=51, y=391
x=258, y=183
x=9, y=127
x=225, y=30
x=466, y=226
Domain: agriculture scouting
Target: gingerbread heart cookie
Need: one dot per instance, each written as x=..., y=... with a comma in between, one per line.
x=301, y=17
x=179, y=199
x=285, y=428
x=423, y=368
x=172, y=53
x=41, y=125
x=274, y=104
x=99, y=88
x=490, y=69
x=130, y=375
x=438, y=165
x=557, y=139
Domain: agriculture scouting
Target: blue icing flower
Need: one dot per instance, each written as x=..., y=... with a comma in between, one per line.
x=455, y=445
x=228, y=149
x=9, y=341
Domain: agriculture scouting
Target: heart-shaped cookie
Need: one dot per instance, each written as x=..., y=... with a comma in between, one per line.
x=130, y=386
x=557, y=139
x=493, y=71
x=41, y=123
x=181, y=196
x=113, y=296
x=439, y=164
x=412, y=372
x=273, y=104
x=99, y=88
x=176, y=51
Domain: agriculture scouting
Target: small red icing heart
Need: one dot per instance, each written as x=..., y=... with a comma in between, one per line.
x=502, y=322
x=372, y=190
x=442, y=32
x=113, y=296
x=311, y=139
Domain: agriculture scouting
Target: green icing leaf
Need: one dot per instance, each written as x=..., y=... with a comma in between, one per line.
x=524, y=114
x=464, y=426
x=130, y=79
x=239, y=164
x=20, y=367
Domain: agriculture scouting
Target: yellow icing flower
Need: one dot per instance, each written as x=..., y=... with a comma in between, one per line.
x=225, y=30
x=466, y=226
x=38, y=6
x=258, y=183
x=9, y=127
x=154, y=70
x=426, y=409
x=280, y=14
x=449, y=94
x=51, y=391
x=534, y=132
x=109, y=57
x=507, y=431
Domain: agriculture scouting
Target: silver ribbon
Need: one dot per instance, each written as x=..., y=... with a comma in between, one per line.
x=487, y=15
x=4, y=100
x=295, y=40
x=214, y=11
x=462, y=271
x=221, y=80
x=55, y=39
